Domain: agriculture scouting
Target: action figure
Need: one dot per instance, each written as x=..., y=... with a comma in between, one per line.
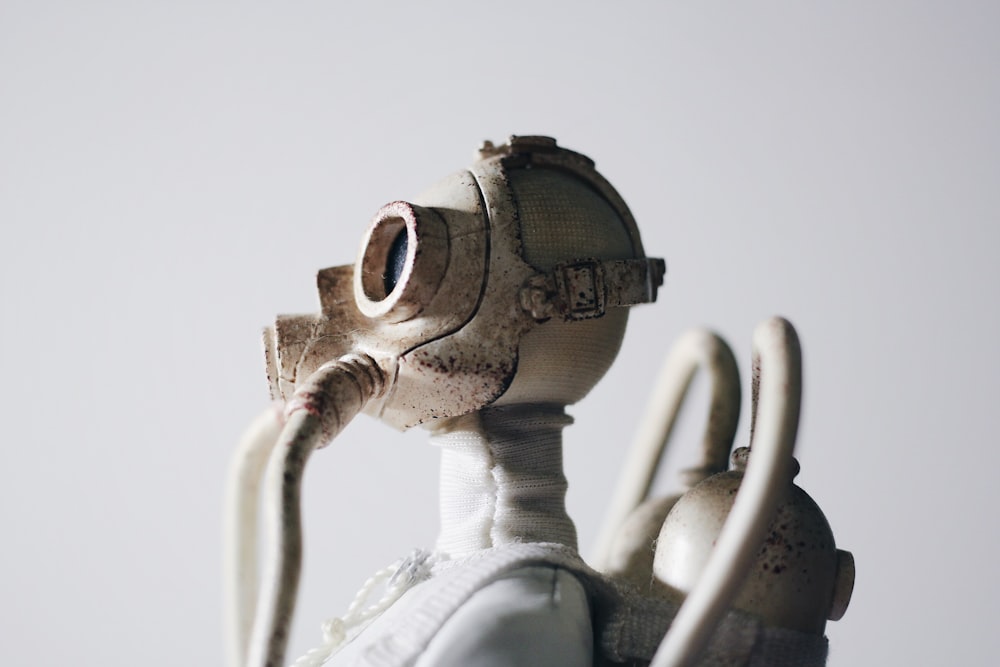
x=479, y=311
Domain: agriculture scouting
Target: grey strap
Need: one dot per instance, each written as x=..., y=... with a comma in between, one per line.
x=583, y=289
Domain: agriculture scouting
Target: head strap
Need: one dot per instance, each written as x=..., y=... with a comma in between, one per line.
x=583, y=289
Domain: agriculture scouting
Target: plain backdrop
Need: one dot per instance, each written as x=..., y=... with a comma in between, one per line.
x=172, y=174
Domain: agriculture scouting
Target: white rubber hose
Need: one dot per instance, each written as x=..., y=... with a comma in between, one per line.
x=317, y=413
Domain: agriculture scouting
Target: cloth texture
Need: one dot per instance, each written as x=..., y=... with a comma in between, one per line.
x=502, y=479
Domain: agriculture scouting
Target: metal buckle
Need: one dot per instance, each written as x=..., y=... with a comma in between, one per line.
x=580, y=284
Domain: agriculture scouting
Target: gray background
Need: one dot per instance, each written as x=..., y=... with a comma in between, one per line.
x=172, y=174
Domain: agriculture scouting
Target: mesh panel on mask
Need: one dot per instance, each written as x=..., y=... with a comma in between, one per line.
x=562, y=219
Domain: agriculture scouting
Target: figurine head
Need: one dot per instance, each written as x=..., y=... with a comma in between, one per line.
x=505, y=283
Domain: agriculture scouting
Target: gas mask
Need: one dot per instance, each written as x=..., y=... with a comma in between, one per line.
x=483, y=287
x=506, y=286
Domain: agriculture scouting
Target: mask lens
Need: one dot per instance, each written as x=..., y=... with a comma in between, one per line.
x=403, y=258
x=395, y=262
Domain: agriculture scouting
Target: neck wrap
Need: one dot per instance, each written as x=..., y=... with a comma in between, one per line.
x=502, y=480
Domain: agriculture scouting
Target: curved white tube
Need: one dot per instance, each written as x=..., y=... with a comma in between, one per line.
x=320, y=409
x=697, y=348
x=240, y=541
x=777, y=361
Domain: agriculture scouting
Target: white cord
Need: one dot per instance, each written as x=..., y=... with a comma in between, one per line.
x=398, y=578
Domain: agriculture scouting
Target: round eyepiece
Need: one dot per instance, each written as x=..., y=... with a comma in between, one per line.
x=403, y=258
x=383, y=264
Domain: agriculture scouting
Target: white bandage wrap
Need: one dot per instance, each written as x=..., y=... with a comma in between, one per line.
x=502, y=479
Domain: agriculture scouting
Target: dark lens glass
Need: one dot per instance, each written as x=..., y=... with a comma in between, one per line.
x=395, y=262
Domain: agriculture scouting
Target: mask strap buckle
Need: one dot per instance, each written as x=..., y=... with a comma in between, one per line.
x=583, y=289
